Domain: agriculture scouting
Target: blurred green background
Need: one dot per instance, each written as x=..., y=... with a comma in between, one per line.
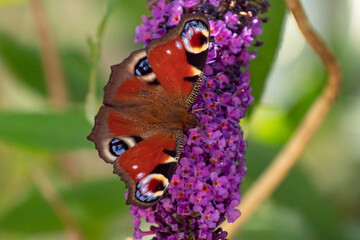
x=44, y=154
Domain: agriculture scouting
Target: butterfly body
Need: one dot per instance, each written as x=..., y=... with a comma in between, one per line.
x=140, y=129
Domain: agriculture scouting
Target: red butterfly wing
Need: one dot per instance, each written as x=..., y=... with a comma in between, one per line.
x=178, y=59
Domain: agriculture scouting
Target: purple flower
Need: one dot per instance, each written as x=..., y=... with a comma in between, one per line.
x=231, y=20
x=256, y=26
x=246, y=35
x=222, y=36
x=205, y=189
x=195, y=137
x=210, y=216
x=212, y=28
x=235, y=213
x=228, y=58
x=236, y=43
x=158, y=10
x=223, y=80
x=175, y=16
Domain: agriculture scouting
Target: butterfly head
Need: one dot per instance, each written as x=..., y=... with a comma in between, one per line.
x=191, y=122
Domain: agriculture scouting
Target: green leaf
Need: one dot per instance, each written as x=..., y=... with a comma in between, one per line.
x=24, y=61
x=316, y=80
x=277, y=126
x=91, y=102
x=96, y=204
x=93, y=204
x=48, y=131
x=258, y=155
x=76, y=70
x=21, y=218
x=296, y=192
x=275, y=222
x=271, y=38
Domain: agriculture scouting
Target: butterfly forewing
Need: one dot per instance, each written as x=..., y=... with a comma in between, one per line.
x=178, y=58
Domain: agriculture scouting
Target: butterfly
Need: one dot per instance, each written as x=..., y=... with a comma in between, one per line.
x=140, y=127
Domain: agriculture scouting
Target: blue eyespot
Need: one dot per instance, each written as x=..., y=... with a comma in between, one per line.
x=118, y=147
x=143, y=67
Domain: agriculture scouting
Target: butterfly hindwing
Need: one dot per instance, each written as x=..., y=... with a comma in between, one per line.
x=146, y=164
x=148, y=178
x=140, y=127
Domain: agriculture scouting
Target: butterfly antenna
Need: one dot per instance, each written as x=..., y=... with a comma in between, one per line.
x=205, y=136
x=236, y=93
x=198, y=110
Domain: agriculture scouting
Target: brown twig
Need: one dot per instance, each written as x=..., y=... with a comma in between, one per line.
x=50, y=194
x=286, y=159
x=152, y=4
x=52, y=67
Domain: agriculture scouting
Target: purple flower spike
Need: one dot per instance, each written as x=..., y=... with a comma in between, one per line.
x=205, y=189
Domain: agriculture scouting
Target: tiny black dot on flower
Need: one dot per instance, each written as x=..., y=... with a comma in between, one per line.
x=175, y=183
x=194, y=137
x=185, y=171
x=205, y=188
x=206, y=95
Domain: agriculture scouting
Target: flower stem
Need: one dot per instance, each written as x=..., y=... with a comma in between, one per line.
x=51, y=195
x=286, y=159
x=54, y=78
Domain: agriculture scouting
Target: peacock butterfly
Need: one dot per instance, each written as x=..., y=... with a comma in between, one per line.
x=140, y=128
